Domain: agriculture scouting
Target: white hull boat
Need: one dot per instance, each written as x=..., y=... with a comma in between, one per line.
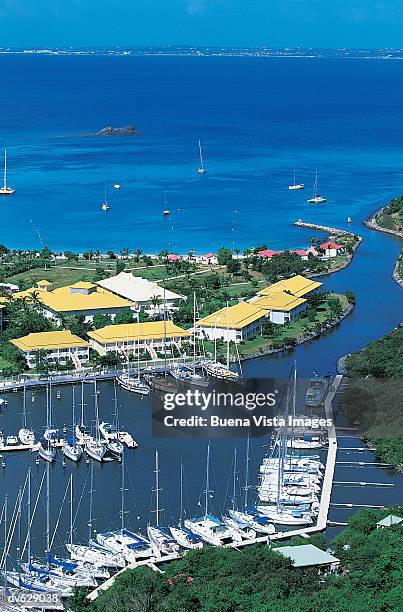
x=72, y=450
x=256, y=522
x=185, y=538
x=220, y=371
x=161, y=541
x=135, y=385
x=95, y=450
x=244, y=530
x=281, y=517
x=89, y=554
x=131, y=545
x=211, y=530
x=26, y=436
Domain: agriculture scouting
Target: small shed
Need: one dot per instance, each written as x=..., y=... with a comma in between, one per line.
x=308, y=555
x=388, y=521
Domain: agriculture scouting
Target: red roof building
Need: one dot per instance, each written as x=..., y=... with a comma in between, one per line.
x=267, y=253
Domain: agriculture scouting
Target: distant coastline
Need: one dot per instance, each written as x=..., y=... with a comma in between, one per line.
x=308, y=53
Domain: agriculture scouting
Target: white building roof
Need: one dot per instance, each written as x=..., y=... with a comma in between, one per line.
x=306, y=555
x=136, y=288
x=390, y=520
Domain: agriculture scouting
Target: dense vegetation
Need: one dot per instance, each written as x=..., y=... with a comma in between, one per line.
x=257, y=579
x=374, y=396
x=391, y=216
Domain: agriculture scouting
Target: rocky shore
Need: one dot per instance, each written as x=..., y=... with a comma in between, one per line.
x=372, y=224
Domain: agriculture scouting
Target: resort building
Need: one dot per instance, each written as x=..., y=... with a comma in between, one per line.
x=234, y=323
x=285, y=300
x=209, y=259
x=132, y=337
x=281, y=307
x=82, y=298
x=142, y=293
x=308, y=555
x=58, y=346
x=298, y=285
x=332, y=249
x=268, y=253
x=172, y=257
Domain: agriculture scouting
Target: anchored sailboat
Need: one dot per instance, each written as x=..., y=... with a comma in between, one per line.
x=160, y=540
x=105, y=206
x=296, y=186
x=117, y=184
x=94, y=448
x=5, y=190
x=165, y=212
x=316, y=198
x=25, y=434
x=183, y=535
x=201, y=169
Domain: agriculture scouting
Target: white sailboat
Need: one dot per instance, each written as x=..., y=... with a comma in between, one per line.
x=105, y=206
x=218, y=370
x=46, y=449
x=296, y=186
x=183, y=536
x=71, y=448
x=165, y=211
x=126, y=380
x=117, y=185
x=133, y=546
x=161, y=541
x=208, y=527
x=5, y=190
x=25, y=435
x=316, y=197
x=94, y=448
x=201, y=169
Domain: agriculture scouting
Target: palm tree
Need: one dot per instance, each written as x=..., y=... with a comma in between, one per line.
x=137, y=255
x=156, y=301
x=237, y=251
x=164, y=254
x=124, y=253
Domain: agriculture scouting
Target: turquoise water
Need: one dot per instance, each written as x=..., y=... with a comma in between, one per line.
x=255, y=116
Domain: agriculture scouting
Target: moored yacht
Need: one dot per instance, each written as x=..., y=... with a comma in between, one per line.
x=316, y=198
x=5, y=190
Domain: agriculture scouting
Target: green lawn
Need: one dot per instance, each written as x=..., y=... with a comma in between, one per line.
x=296, y=330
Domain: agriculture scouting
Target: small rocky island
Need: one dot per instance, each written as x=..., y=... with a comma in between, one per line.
x=125, y=130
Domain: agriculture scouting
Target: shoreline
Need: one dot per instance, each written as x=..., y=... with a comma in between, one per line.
x=346, y=312
x=371, y=223
x=395, y=274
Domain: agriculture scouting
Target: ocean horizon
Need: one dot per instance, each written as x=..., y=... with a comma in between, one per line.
x=256, y=118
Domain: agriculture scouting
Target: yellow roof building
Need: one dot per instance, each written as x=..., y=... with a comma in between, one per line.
x=234, y=317
x=49, y=341
x=133, y=332
x=81, y=296
x=298, y=285
x=279, y=300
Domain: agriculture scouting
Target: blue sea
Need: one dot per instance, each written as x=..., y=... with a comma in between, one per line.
x=256, y=117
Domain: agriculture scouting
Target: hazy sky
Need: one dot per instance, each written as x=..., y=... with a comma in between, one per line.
x=278, y=23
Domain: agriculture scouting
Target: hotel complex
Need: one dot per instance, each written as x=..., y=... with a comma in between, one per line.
x=135, y=337
x=279, y=303
x=55, y=346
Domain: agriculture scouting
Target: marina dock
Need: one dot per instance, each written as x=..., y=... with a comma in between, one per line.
x=305, y=532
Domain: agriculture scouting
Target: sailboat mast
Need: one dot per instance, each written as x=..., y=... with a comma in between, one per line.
x=122, y=496
x=24, y=414
x=73, y=411
x=181, y=495
x=247, y=472
x=19, y=529
x=165, y=339
x=29, y=516
x=82, y=403
x=201, y=154
x=207, y=480
x=294, y=174
x=91, y=502
x=227, y=337
x=5, y=169
x=71, y=508
x=234, y=480
x=5, y=543
x=157, y=490
x=47, y=511
x=96, y=411
x=194, y=332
